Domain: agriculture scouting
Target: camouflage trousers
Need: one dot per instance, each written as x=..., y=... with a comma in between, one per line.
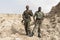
x=27, y=28
x=37, y=26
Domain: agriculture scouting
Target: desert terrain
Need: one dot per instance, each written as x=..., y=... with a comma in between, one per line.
x=11, y=27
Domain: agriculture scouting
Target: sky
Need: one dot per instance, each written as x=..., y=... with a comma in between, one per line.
x=18, y=6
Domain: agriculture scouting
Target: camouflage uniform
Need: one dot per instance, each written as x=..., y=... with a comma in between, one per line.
x=38, y=17
x=27, y=18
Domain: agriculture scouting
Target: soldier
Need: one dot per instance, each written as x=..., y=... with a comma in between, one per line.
x=38, y=17
x=27, y=18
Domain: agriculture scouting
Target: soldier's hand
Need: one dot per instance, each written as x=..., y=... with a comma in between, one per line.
x=22, y=21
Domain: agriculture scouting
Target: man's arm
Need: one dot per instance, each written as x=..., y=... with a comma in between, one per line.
x=23, y=16
x=43, y=16
x=31, y=13
x=34, y=17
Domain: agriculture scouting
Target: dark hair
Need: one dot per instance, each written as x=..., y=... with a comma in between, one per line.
x=27, y=6
x=39, y=8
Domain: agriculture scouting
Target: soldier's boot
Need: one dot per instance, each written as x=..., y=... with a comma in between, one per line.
x=39, y=33
x=32, y=33
x=26, y=32
x=29, y=33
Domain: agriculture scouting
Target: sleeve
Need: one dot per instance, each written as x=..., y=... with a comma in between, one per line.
x=43, y=16
x=31, y=13
x=34, y=16
x=23, y=15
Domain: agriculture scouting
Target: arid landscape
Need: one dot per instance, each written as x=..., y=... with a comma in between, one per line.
x=11, y=27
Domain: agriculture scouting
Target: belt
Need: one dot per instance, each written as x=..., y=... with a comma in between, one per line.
x=38, y=19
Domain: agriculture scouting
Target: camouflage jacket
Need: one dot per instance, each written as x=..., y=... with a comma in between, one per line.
x=38, y=15
x=27, y=15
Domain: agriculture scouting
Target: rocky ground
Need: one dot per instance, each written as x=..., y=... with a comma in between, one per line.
x=11, y=27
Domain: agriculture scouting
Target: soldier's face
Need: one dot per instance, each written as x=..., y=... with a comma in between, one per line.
x=27, y=8
x=39, y=9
